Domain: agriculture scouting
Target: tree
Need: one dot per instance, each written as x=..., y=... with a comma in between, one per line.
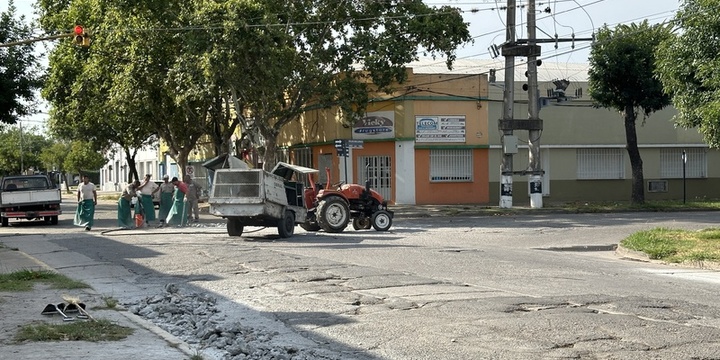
x=621, y=77
x=90, y=97
x=687, y=67
x=83, y=158
x=277, y=60
x=20, y=150
x=53, y=157
x=20, y=70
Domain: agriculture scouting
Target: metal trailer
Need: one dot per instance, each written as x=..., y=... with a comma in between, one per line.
x=254, y=197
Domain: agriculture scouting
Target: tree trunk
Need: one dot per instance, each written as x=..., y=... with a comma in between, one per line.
x=182, y=161
x=132, y=167
x=270, y=155
x=638, y=181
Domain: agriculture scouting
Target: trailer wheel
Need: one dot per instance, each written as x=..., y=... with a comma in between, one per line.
x=286, y=227
x=381, y=220
x=361, y=223
x=333, y=214
x=234, y=227
x=54, y=220
x=4, y=221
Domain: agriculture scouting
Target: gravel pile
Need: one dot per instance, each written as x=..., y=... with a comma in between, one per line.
x=195, y=319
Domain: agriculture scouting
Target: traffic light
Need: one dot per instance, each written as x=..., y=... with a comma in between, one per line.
x=81, y=37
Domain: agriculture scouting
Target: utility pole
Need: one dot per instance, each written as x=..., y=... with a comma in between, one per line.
x=509, y=142
x=529, y=48
x=535, y=166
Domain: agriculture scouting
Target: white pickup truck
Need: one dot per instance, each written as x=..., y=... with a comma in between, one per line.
x=30, y=197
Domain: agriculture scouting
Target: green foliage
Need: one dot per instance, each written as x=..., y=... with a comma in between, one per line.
x=622, y=64
x=182, y=70
x=20, y=70
x=82, y=158
x=677, y=246
x=24, y=280
x=100, y=330
x=53, y=156
x=21, y=149
x=687, y=67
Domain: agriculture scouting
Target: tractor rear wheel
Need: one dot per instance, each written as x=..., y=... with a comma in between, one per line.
x=286, y=227
x=381, y=220
x=234, y=227
x=333, y=214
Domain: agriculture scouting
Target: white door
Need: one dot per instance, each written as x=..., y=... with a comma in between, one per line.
x=379, y=170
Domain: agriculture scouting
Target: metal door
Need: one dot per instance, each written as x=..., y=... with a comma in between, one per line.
x=379, y=170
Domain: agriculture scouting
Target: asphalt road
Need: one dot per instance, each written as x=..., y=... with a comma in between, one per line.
x=510, y=287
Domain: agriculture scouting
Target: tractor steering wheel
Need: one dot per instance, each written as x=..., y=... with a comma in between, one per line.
x=338, y=184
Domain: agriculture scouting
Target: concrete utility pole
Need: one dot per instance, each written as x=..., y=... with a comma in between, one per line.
x=535, y=166
x=509, y=142
x=529, y=48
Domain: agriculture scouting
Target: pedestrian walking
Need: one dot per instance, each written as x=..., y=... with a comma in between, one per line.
x=147, y=189
x=191, y=199
x=125, y=218
x=166, y=199
x=87, y=199
x=178, y=213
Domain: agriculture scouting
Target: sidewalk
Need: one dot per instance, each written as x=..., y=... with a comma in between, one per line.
x=24, y=308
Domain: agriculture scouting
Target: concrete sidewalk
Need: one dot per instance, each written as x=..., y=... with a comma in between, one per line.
x=24, y=308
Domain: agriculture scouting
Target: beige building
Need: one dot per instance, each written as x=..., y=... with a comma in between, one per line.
x=582, y=148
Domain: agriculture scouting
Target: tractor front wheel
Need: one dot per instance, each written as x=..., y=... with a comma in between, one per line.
x=361, y=223
x=381, y=220
x=333, y=214
x=310, y=226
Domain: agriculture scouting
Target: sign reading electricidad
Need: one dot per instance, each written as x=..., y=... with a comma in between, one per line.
x=440, y=128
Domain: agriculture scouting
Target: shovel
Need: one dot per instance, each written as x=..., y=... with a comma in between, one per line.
x=49, y=310
x=65, y=317
x=77, y=308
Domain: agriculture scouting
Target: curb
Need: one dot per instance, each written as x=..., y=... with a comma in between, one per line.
x=171, y=339
x=19, y=257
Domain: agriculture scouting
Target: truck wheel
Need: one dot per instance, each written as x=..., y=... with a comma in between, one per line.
x=286, y=227
x=4, y=222
x=381, y=220
x=54, y=220
x=361, y=223
x=333, y=214
x=234, y=227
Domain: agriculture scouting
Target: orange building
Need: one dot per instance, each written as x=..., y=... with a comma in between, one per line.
x=426, y=143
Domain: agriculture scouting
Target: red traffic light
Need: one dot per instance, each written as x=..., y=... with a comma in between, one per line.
x=79, y=30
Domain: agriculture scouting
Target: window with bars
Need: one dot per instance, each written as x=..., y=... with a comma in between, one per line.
x=671, y=163
x=597, y=164
x=451, y=165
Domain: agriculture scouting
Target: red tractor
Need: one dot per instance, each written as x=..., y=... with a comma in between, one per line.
x=333, y=207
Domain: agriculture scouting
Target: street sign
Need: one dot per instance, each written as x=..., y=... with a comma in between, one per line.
x=355, y=144
x=341, y=145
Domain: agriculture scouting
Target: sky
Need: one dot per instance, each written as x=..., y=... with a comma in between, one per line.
x=487, y=23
